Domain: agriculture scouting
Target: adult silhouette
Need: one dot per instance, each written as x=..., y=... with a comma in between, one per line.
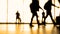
x=17, y=16
x=48, y=8
x=34, y=6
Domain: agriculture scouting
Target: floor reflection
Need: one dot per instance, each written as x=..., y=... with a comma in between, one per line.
x=26, y=29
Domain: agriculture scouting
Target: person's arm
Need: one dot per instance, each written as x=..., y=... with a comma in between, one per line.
x=55, y=5
x=40, y=8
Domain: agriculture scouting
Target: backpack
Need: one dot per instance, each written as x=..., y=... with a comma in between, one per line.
x=46, y=6
x=34, y=8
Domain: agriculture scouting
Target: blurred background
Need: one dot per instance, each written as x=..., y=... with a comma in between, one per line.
x=8, y=9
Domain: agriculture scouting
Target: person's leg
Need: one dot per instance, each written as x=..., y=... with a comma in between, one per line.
x=20, y=19
x=52, y=18
x=16, y=20
x=32, y=20
x=37, y=18
x=45, y=17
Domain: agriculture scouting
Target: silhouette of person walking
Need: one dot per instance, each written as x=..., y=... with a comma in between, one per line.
x=43, y=16
x=34, y=6
x=17, y=16
x=48, y=8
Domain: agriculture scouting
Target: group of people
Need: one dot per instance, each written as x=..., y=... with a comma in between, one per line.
x=34, y=7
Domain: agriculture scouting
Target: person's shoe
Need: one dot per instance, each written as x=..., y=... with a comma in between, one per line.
x=43, y=23
x=54, y=23
x=39, y=24
x=31, y=25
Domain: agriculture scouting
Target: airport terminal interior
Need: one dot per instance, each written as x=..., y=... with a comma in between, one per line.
x=10, y=24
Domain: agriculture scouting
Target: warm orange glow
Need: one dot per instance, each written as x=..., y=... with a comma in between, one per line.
x=49, y=27
x=35, y=27
x=25, y=29
x=11, y=27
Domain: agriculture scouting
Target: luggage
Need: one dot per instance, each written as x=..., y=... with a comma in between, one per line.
x=58, y=20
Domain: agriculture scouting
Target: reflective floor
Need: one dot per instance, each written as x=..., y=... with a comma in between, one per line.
x=26, y=29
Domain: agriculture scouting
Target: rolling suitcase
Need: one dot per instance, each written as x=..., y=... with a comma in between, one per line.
x=58, y=20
